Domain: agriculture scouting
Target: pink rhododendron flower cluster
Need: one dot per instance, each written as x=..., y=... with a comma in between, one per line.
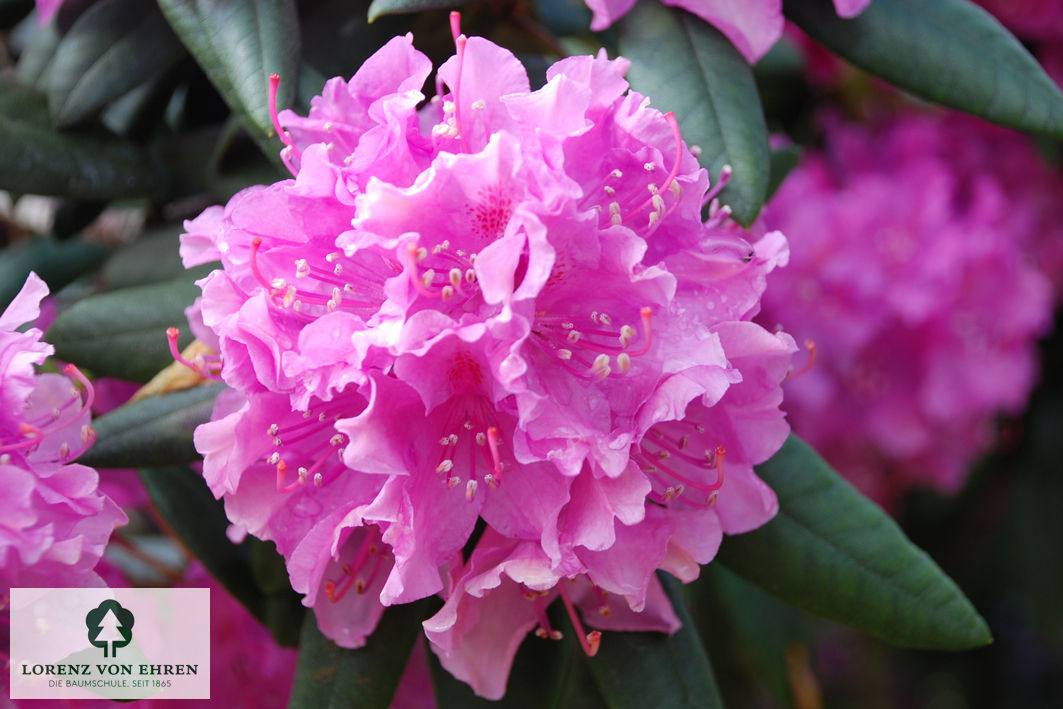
x=923, y=255
x=500, y=305
x=753, y=26
x=55, y=522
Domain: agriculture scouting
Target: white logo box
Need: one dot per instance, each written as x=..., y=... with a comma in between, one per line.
x=116, y=643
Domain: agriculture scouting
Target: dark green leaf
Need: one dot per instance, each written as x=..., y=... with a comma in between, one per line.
x=834, y=553
x=113, y=47
x=156, y=430
x=58, y=263
x=783, y=161
x=687, y=67
x=123, y=333
x=34, y=66
x=152, y=258
x=394, y=7
x=183, y=499
x=638, y=670
x=91, y=165
x=330, y=677
x=238, y=45
x=948, y=51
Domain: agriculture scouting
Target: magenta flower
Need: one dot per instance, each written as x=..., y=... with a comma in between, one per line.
x=503, y=306
x=921, y=279
x=56, y=522
x=753, y=26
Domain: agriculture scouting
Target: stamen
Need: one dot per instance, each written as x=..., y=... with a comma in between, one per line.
x=492, y=443
x=459, y=45
x=810, y=345
x=172, y=334
x=274, y=83
x=656, y=200
x=590, y=642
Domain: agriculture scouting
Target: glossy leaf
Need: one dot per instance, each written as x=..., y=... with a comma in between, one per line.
x=378, y=8
x=687, y=67
x=156, y=430
x=113, y=47
x=331, y=677
x=92, y=165
x=57, y=262
x=183, y=499
x=238, y=45
x=948, y=51
x=833, y=552
x=123, y=333
x=638, y=670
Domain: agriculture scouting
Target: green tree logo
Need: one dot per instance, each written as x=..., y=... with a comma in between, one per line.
x=109, y=624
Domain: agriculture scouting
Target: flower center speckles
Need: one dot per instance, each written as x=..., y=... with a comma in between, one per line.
x=32, y=431
x=490, y=215
x=470, y=443
x=341, y=282
x=307, y=447
x=590, y=345
x=675, y=446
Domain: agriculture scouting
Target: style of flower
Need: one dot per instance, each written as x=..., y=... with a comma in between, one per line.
x=923, y=259
x=753, y=26
x=500, y=306
x=56, y=522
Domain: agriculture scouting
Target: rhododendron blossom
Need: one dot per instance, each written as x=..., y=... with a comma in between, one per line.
x=499, y=305
x=55, y=522
x=753, y=26
x=922, y=268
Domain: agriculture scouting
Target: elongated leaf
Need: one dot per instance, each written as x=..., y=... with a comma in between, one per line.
x=123, y=333
x=113, y=47
x=637, y=670
x=378, y=8
x=948, y=51
x=91, y=164
x=688, y=67
x=834, y=553
x=238, y=45
x=330, y=677
x=182, y=498
x=156, y=430
x=58, y=263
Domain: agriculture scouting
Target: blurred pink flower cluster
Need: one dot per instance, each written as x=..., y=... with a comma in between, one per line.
x=753, y=26
x=500, y=305
x=924, y=255
x=56, y=522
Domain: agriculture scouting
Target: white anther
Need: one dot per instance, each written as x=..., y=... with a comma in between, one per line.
x=617, y=173
x=337, y=270
x=337, y=295
x=302, y=268
x=55, y=412
x=428, y=277
x=470, y=490
x=422, y=254
x=277, y=442
x=451, y=482
x=594, y=316
x=303, y=472
x=455, y=277
x=289, y=296
x=491, y=480
x=652, y=188
x=574, y=336
x=349, y=288
x=445, y=466
x=273, y=429
x=649, y=166
x=627, y=334
x=278, y=283
x=684, y=442
x=472, y=259
x=695, y=150
x=336, y=439
x=653, y=219
x=297, y=306
x=604, y=319
x=274, y=458
x=664, y=455
x=331, y=258
x=448, y=107
x=436, y=100
x=328, y=125
x=318, y=478
x=658, y=202
x=610, y=191
x=675, y=188
x=5, y=458
x=64, y=450
x=564, y=354
x=448, y=292
x=601, y=366
x=467, y=425
x=623, y=360
x=726, y=171
x=470, y=276
x=478, y=105
x=481, y=438
x=568, y=325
